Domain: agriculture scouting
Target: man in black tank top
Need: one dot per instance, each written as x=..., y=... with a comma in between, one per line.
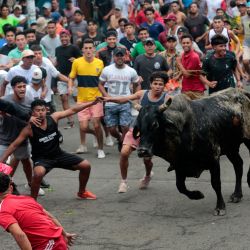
x=46, y=152
x=155, y=96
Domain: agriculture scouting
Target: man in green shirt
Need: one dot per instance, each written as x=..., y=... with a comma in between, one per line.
x=139, y=49
x=6, y=19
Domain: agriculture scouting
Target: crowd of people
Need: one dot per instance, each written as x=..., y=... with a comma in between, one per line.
x=110, y=57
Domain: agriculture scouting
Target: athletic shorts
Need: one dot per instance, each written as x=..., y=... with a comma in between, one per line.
x=246, y=53
x=130, y=140
x=94, y=111
x=118, y=115
x=21, y=153
x=62, y=160
x=53, y=244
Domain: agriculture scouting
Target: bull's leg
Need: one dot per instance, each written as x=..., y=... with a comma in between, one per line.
x=247, y=144
x=238, y=169
x=216, y=184
x=181, y=186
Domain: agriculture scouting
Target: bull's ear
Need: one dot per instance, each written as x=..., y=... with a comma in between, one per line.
x=165, y=105
x=136, y=132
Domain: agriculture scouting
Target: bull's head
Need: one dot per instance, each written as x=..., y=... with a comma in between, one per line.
x=148, y=127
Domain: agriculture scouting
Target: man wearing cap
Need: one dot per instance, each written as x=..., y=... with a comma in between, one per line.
x=149, y=62
x=46, y=11
x=25, y=69
x=245, y=29
x=37, y=89
x=17, y=13
x=220, y=66
x=29, y=223
x=154, y=27
x=6, y=18
x=139, y=48
x=65, y=55
x=171, y=55
x=118, y=78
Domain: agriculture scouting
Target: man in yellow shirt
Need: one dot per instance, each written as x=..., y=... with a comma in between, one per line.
x=87, y=70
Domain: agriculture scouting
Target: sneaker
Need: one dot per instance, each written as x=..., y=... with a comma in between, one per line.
x=87, y=195
x=40, y=192
x=100, y=154
x=82, y=149
x=123, y=188
x=44, y=184
x=109, y=141
x=95, y=144
x=144, y=182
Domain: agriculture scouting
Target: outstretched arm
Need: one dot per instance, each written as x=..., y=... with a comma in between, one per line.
x=13, y=146
x=73, y=110
x=123, y=99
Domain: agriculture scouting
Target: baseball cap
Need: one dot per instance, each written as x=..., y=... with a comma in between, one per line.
x=64, y=32
x=241, y=4
x=170, y=37
x=37, y=75
x=118, y=8
x=149, y=40
x=55, y=16
x=182, y=29
x=170, y=17
x=121, y=51
x=47, y=5
x=27, y=53
x=17, y=6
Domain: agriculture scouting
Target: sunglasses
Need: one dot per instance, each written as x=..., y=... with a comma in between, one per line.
x=29, y=57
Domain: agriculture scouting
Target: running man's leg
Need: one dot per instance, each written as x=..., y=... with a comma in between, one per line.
x=39, y=173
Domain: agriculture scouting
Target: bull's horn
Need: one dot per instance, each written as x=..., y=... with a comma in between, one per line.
x=137, y=106
x=165, y=105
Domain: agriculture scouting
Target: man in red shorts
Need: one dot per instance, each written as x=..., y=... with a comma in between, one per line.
x=29, y=223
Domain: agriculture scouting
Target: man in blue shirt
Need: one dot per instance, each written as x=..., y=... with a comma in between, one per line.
x=154, y=28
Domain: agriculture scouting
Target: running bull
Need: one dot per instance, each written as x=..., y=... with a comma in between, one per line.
x=192, y=135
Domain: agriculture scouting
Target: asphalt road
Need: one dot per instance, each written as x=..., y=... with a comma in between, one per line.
x=153, y=219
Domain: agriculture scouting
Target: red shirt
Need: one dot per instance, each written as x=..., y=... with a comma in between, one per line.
x=191, y=61
x=141, y=18
x=31, y=218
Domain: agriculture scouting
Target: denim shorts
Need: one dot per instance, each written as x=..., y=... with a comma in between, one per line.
x=118, y=115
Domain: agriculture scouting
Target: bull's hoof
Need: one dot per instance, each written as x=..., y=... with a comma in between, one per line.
x=196, y=195
x=219, y=212
x=248, y=179
x=235, y=198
